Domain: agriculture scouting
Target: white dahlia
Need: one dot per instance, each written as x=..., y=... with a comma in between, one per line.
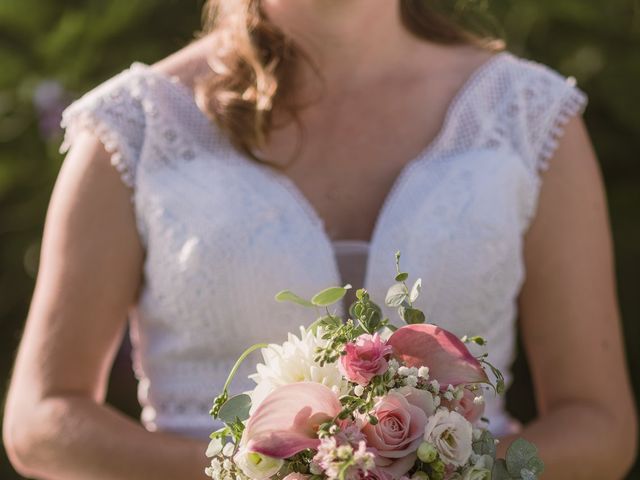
x=292, y=362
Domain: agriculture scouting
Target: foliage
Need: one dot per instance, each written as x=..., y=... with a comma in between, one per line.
x=50, y=48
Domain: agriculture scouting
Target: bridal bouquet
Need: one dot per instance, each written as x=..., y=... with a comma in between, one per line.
x=357, y=398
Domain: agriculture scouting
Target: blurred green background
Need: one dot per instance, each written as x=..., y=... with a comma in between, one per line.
x=50, y=52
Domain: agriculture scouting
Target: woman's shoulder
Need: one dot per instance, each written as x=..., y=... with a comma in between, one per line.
x=188, y=64
x=533, y=102
x=150, y=104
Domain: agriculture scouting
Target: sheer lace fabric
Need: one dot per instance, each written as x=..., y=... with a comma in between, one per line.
x=223, y=234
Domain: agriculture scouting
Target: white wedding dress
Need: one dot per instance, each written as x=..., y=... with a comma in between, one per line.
x=223, y=233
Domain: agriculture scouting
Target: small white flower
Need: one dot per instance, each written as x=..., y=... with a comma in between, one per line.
x=344, y=451
x=227, y=451
x=411, y=381
x=358, y=390
x=393, y=366
x=214, y=470
x=423, y=372
x=435, y=385
x=214, y=448
x=448, y=395
x=404, y=371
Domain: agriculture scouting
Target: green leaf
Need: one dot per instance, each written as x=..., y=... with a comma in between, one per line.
x=325, y=320
x=411, y=316
x=535, y=466
x=396, y=295
x=289, y=296
x=415, y=290
x=329, y=296
x=499, y=471
x=477, y=340
x=402, y=276
x=521, y=455
x=236, y=408
x=485, y=445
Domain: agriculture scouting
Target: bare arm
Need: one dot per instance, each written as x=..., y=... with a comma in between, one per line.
x=571, y=325
x=56, y=425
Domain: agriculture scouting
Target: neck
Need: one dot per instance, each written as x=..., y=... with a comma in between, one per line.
x=348, y=40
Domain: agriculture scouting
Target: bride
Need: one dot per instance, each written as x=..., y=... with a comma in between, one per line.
x=299, y=144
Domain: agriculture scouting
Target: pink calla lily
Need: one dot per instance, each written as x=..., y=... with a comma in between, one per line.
x=287, y=420
x=448, y=359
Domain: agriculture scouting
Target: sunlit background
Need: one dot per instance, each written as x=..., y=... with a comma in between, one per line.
x=50, y=52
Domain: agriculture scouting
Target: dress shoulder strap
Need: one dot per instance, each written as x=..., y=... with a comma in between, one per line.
x=540, y=104
x=115, y=112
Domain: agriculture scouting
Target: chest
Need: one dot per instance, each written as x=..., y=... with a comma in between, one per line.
x=351, y=150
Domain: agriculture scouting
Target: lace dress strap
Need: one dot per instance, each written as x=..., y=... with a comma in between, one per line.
x=115, y=112
x=543, y=104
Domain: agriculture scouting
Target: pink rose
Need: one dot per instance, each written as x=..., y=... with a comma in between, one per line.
x=376, y=474
x=365, y=358
x=419, y=398
x=399, y=429
x=466, y=406
x=397, y=469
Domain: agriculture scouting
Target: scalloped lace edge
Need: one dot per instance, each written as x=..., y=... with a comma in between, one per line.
x=75, y=123
x=573, y=104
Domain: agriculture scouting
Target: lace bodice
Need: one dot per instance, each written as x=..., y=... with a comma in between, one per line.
x=223, y=233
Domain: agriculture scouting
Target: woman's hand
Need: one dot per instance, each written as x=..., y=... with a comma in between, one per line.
x=570, y=324
x=55, y=424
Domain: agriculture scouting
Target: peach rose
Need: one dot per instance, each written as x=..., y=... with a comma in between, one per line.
x=399, y=429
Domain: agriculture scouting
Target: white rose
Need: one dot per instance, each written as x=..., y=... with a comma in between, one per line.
x=451, y=434
x=257, y=466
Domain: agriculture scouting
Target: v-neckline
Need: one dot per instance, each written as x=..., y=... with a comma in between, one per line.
x=294, y=191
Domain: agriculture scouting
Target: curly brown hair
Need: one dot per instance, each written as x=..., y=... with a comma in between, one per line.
x=253, y=62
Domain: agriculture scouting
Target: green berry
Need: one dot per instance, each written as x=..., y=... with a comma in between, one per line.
x=420, y=476
x=427, y=453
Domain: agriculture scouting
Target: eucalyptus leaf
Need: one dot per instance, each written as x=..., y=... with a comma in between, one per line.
x=519, y=456
x=329, y=296
x=289, y=296
x=499, y=471
x=415, y=290
x=411, y=315
x=535, y=465
x=485, y=445
x=396, y=295
x=236, y=408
